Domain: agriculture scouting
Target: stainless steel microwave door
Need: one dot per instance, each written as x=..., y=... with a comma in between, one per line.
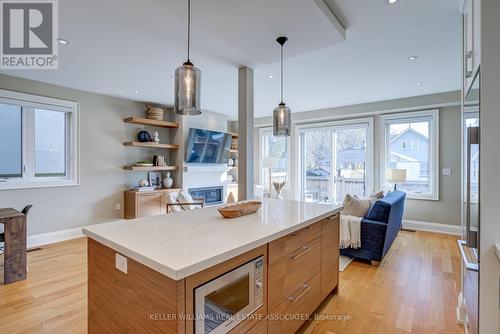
x=225, y=302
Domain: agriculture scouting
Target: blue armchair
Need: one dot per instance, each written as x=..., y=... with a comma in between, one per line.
x=379, y=228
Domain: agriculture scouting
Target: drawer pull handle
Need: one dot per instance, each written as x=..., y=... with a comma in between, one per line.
x=332, y=217
x=305, y=249
x=306, y=287
x=297, y=233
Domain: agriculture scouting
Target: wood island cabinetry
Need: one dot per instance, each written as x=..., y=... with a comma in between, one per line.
x=300, y=271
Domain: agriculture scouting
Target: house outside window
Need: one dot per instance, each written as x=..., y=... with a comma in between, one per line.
x=38, y=141
x=411, y=143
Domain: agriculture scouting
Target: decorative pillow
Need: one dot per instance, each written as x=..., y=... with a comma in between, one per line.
x=376, y=195
x=184, y=197
x=171, y=198
x=355, y=206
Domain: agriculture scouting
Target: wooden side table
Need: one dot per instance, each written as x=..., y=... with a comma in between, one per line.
x=15, y=245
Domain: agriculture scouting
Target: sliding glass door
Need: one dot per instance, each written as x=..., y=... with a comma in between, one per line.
x=335, y=160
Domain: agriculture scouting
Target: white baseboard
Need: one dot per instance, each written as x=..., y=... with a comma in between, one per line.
x=38, y=240
x=432, y=227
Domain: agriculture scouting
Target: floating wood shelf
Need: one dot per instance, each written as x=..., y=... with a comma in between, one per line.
x=146, y=169
x=151, y=122
x=233, y=134
x=151, y=145
x=233, y=150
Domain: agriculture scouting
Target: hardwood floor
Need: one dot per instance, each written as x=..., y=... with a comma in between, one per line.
x=53, y=299
x=413, y=291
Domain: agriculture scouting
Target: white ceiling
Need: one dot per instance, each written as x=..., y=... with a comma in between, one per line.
x=118, y=46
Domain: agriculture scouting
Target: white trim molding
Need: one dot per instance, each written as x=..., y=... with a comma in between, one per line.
x=432, y=227
x=43, y=239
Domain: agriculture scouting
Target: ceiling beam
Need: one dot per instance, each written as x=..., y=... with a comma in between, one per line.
x=330, y=15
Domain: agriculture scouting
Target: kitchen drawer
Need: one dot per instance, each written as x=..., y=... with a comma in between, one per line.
x=290, y=243
x=330, y=254
x=290, y=272
x=292, y=312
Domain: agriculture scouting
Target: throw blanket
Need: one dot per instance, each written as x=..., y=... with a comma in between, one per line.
x=350, y=231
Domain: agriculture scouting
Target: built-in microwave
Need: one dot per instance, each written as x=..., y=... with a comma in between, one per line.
x=224, y=302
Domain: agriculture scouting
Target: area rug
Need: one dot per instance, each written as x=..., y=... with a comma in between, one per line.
x=344, y=261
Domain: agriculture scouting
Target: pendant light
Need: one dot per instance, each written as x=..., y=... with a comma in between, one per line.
x=187, y=81
x=282, y=121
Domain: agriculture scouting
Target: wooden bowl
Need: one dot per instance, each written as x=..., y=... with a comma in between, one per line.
x=239, y=209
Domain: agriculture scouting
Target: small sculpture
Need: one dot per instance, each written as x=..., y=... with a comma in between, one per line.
x=143, y=136
x=156, y=137
x=168, y=181
x=143, y=183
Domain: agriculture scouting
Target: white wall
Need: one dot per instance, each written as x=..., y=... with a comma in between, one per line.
x=102, y=155
x=208, y=121
x=489, y=275
x=444, y=211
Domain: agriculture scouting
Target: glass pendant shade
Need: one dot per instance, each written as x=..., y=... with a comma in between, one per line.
x=282, y=120
x=187, y=90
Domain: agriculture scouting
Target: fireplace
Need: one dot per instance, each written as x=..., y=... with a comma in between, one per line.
x=211, y=195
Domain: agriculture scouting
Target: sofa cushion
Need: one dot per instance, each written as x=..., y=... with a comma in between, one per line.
x=380, y=210
x=354, y=206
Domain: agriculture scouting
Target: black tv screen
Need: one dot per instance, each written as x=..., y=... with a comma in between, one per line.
x=208, y=147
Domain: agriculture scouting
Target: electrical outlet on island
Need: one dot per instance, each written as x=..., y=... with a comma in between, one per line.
x=121, y=263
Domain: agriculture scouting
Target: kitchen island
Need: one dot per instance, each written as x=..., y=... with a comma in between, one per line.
x=150, y=274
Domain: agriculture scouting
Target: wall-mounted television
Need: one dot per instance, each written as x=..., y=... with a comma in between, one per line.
x=207, y=147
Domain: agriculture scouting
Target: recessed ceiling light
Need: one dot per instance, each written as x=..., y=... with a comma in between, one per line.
x=413, y=58
x=419, y=83
x=136, y=91
x=270, y=76
x=62, y=41
x=391, y=1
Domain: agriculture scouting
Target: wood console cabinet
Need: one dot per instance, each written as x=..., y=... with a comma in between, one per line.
x=301, y=270
x=144, y=204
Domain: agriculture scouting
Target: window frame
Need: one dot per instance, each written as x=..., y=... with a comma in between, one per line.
x=28, y=104
x=338, y=125
x=263, y=131
x=412, y=117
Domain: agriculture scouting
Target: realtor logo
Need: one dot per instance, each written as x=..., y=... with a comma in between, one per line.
x=29, y=34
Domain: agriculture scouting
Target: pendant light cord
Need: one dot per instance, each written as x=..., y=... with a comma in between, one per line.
x=189, y=28
x=281, y=73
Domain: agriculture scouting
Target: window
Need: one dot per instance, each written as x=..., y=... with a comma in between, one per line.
x=38, y=141
x=335, y=159
x=10, y=141
x=411, y=143
x=274, y=155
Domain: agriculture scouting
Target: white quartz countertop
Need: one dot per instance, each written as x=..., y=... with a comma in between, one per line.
x=184, y=243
